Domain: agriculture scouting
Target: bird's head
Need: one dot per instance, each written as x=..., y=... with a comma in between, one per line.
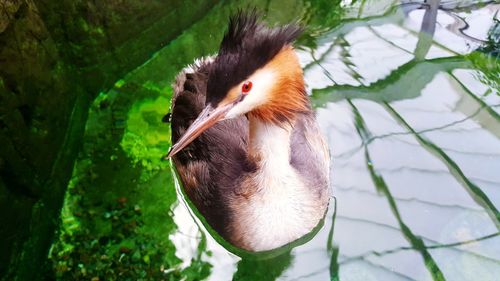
x=256, y=72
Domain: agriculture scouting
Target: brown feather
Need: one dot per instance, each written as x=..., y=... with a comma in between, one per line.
x=288, y=96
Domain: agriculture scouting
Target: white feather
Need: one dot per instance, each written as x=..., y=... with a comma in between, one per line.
x=283, y=209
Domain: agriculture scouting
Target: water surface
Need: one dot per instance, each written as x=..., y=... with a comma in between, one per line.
x=408, y=98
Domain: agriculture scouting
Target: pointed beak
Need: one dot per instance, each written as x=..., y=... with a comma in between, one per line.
x=207, y=118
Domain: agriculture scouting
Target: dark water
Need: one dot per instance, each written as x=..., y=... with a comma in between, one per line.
x=410, y=108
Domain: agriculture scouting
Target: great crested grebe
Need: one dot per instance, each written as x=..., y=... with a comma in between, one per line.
x=247, y=145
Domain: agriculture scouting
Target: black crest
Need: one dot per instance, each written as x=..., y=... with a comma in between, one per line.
x=247, y=46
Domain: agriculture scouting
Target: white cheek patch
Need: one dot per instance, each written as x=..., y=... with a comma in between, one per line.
x=262, y=83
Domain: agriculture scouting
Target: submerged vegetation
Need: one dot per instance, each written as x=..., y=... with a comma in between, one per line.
x=118, y=215
x=488, y=59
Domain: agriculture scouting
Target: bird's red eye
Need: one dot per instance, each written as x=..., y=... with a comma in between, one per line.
x=246, y=87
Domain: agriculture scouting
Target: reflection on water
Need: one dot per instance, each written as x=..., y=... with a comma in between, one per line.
x=415, y=146
x=410, y=109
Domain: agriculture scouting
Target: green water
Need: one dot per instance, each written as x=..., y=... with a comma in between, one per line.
x=412, y=119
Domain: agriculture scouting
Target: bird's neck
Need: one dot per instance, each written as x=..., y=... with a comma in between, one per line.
x=269, y=143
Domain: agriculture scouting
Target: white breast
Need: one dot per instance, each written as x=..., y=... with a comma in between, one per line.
x=282, y=208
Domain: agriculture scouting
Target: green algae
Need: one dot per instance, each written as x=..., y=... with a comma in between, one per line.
x=144, y=139
x=116, y=216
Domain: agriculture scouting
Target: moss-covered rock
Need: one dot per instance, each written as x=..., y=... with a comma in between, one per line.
x=56, y=56
x=37, y=99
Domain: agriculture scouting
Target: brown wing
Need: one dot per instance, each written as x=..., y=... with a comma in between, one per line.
x=211, y=167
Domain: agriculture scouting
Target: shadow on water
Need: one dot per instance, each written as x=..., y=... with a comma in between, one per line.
x=266, y=270
x=410, y=106
x=332, y=249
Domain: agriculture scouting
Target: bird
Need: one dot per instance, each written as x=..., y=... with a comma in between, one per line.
x=246, y=143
